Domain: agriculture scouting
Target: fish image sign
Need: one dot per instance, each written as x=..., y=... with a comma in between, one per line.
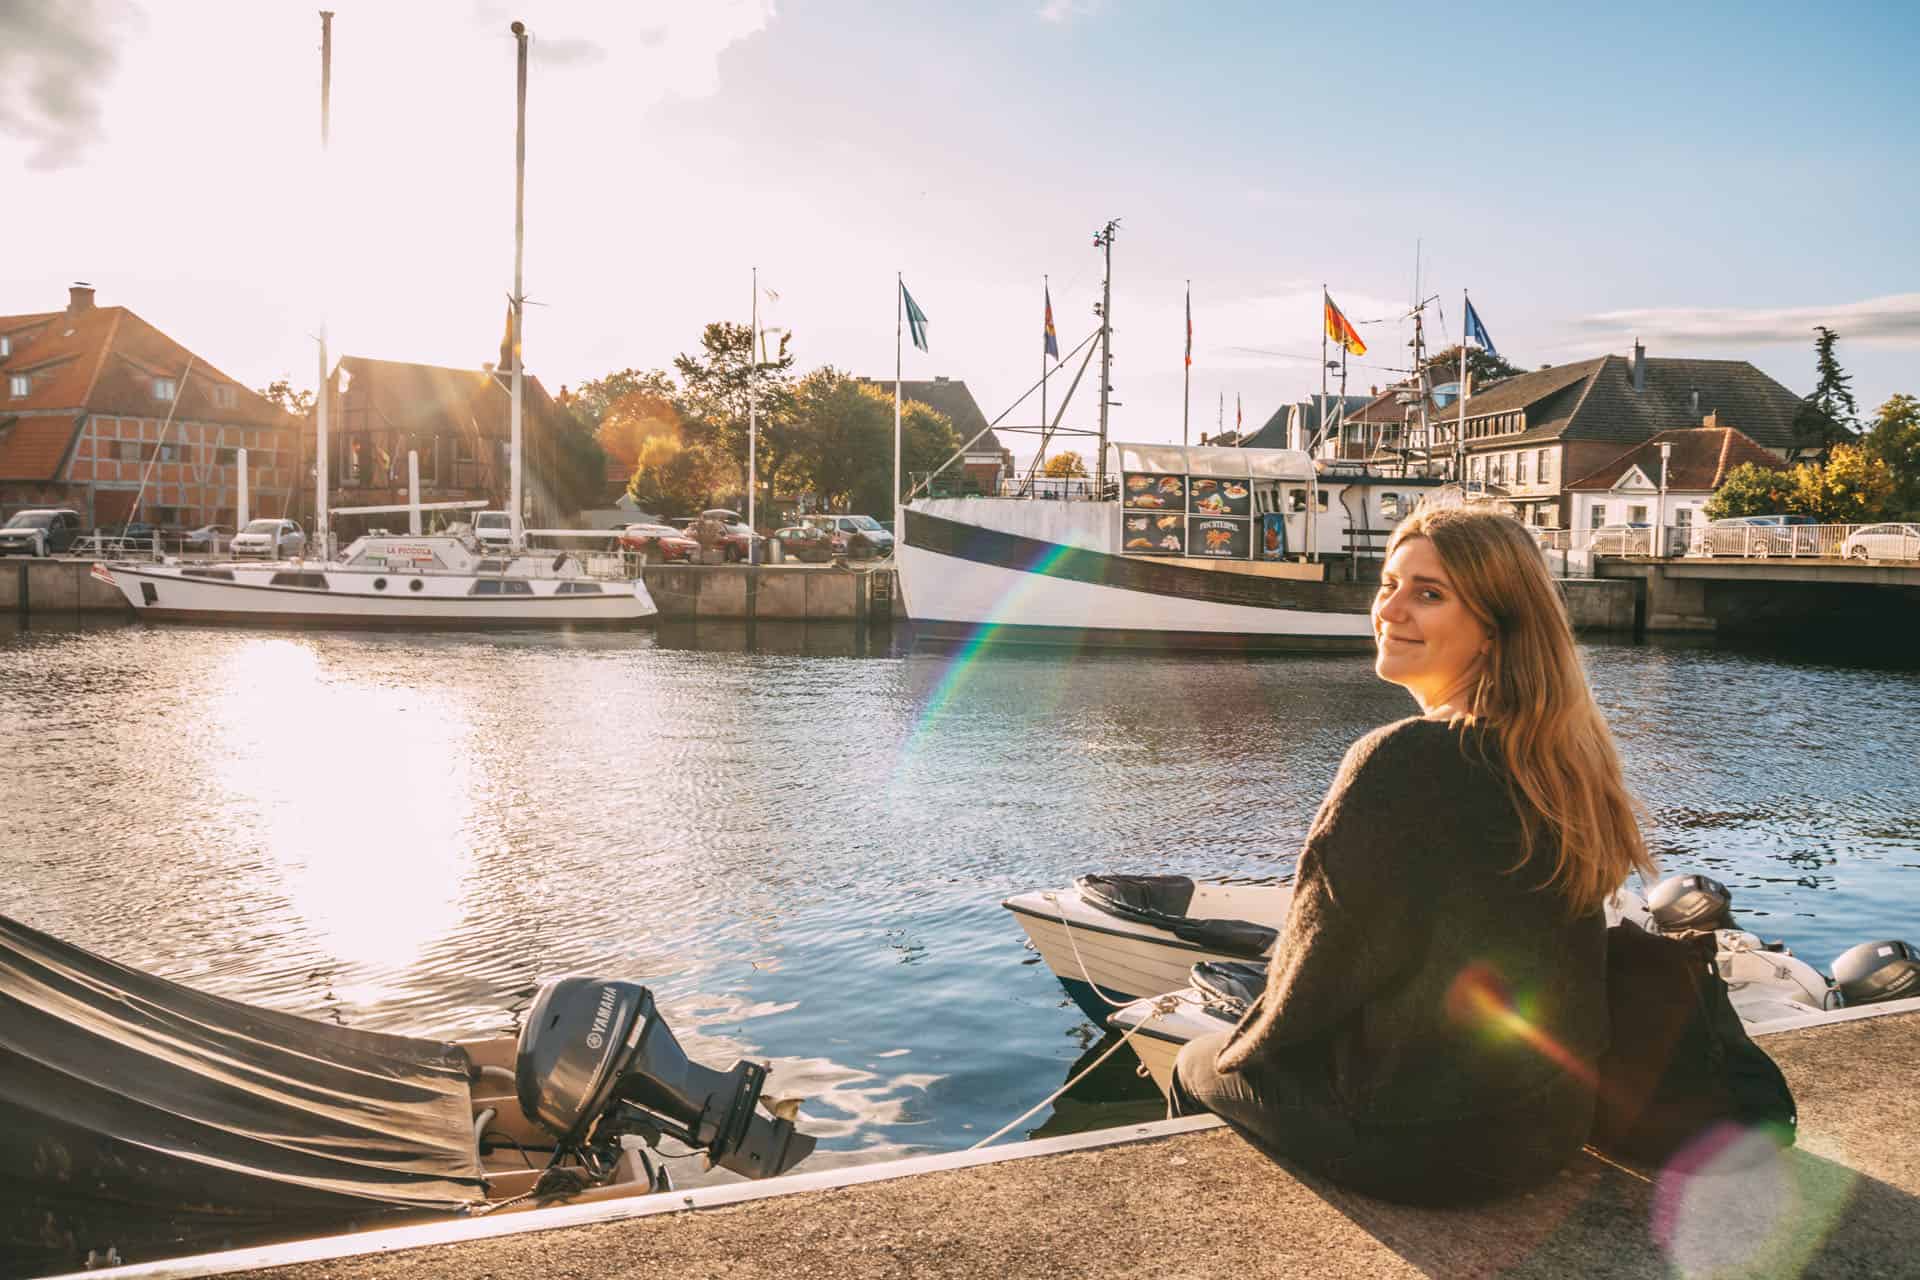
x=1143, y=492
x=1273, y=536
x=1215, y=497
x=1216, y=539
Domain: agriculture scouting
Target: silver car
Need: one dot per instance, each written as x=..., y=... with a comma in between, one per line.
x=273, y=539
x=1894, y=541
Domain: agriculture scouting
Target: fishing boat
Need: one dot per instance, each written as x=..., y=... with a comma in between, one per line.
x=419, y=580
x=141, y=1119
x=1165, y=547
x=1169, y=959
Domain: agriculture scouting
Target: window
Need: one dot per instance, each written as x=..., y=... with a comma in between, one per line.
x=226, y=457
x=173, y=453
x=6, y=347
x=312, y=581
x=1476, y=468
x=1520, y=468
x=577, y=589
x=1390, y=506
x=1637, y=515
x=1296, y=500
x=20, y=384
x=165, y=388
x=129, y=451
x=223, y=397
x=1545, y=470
x=1599, y=515
x=501, y=587
x=1683, y=518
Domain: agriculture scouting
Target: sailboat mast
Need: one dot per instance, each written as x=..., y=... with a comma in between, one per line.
x=321, y=527
x=1105, y=240
x=514, y=523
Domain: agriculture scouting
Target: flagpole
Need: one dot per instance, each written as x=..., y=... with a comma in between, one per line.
x=899, y=314
x=1186, y=380
x=1460, y=426
x=753, y=416
x=1313, y=477
x=1043, y=374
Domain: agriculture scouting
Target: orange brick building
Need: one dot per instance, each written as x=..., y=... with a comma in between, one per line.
x=101, y=412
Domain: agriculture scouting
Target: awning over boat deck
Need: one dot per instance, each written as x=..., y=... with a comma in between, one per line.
x=141, y=1114
x=1209, y=460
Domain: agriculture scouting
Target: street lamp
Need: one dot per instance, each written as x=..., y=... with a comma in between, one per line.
x=1660, y=511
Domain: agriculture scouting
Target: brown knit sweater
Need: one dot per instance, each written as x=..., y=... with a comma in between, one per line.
x=1444, y=988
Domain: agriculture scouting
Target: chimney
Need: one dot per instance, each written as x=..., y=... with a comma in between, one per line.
x=1639, y=366
x=79, y=298
x=1711, y=420
x=1696, y=402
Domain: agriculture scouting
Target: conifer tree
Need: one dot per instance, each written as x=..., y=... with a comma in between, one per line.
x=1829, y=414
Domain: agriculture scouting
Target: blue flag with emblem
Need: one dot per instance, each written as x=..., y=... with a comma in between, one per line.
x=916, y=318
x=1478, y=331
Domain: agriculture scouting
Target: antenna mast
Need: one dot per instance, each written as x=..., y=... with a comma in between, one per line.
x=1103, y=239
x=322, y=528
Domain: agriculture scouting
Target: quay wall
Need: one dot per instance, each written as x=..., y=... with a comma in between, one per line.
x=55, y=589
x=1600, y=604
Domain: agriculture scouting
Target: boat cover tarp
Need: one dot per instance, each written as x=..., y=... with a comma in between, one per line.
x=1229, y=986
x=141, y=1115
x=1162, y=901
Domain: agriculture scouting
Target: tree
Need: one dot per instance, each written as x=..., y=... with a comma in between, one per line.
x=590, y=401
x=1851, y=486
x=1064, y=464
x=1750, y=489
x=1895, y=440
x=671, y=477
x=722, y=379
x=1484, y=367
x=629, y=423
x=842, y=431
x=282, y=393
x=1828, y=415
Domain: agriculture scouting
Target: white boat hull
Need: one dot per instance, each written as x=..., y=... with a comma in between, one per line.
x=350, y=598
x=1009, y=569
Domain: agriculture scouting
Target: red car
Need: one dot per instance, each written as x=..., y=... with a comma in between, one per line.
x=657, y=543
x=726, y=530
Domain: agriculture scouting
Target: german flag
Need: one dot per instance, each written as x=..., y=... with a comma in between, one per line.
x=1341, y=330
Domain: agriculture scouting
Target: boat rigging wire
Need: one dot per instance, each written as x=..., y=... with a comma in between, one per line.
x=179, y=388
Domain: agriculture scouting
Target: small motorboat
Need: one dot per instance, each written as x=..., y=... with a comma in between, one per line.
x=1112, y=939
x=141, y=1119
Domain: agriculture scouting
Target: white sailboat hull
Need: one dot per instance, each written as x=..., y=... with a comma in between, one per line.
x=351, y=598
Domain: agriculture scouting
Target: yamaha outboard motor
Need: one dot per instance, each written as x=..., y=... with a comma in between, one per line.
x=1875, y=971
x=595, y=1062
x=1680, y=903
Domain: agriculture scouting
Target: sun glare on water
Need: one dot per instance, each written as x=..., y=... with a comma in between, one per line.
x=362, y=795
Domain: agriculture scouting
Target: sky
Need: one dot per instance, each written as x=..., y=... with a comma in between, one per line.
x=1714, y=180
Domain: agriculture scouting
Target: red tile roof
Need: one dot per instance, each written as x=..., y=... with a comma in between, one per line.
x=1700, y=460
x=104, y=360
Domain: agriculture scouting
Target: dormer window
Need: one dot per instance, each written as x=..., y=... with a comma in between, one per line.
x=165, y=388
x=6, y=346
x=223, y=397
x=20, y=385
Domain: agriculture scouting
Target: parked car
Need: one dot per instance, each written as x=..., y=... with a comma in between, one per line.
x=725, y=529
x=1634, y=538
x=272, y=539
x=1895, y=541
x=208, y=537
x=861, y=537
x=44, y=531
x=493, y=530
x=1768, y=535
x=807, y=543
x=657, y=543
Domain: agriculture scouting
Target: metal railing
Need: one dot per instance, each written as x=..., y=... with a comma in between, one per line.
x=1889, y=541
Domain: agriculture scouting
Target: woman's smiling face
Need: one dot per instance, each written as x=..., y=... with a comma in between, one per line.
x=1426, y=640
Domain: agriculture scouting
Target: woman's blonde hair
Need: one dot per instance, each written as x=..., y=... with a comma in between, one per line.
x=1532, y=691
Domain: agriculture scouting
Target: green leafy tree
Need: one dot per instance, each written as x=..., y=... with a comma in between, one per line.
x=720, y=382
x=290, y=399
x=673, y=478
x=1828, y=415
x=1065, y=464
x=1485, y=367
x=843, y=440
x=590, y=401
x=1851, y=486
x=1751, y=489
x=1895, y=440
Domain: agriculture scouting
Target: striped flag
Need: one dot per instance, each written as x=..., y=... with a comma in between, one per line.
x=1341, y=330
x=1239, y=419
x=1053, y=339
x=916, y=318
x=1189, y=327
x=103, y=573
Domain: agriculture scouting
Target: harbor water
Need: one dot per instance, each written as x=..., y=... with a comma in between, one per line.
x=800, y=837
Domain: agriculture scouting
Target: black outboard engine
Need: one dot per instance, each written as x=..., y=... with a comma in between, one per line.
x=1875, y=971
x=1690, y=902
x=595, y=1061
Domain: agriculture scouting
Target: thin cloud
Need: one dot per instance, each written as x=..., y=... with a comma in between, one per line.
x=56, y=56
x=1893, y=318
x=1065, y=11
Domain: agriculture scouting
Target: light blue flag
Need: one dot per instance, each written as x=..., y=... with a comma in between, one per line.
x=1478, y=331
x=916, y=318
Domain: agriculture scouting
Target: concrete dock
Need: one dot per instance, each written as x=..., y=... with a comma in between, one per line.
x=1191, y=1198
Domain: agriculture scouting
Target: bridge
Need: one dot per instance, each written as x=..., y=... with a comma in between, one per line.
x=1770, y=595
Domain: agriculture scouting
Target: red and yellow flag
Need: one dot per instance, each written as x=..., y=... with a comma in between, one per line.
x=1341, y=330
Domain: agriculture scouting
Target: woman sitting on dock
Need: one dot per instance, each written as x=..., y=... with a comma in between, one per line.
x=1436, y=1000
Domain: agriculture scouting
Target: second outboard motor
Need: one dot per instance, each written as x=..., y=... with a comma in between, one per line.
x=1690, y=902
x=1876, y=971
x=595, y=1060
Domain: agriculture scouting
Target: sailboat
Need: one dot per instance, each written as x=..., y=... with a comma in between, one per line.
x=415, y=580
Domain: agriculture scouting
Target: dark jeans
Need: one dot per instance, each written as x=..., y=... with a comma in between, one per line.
x=1287, y=1106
